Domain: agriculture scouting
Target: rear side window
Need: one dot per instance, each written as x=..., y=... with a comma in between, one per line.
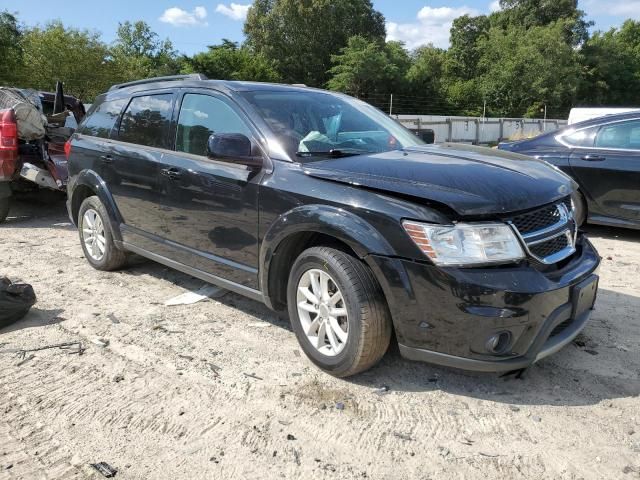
x=581, y=138
x=101, y=122
x=201, y=116
x=146, y=121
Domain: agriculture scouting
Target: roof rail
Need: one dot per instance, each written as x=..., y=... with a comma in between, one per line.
x=169, y=78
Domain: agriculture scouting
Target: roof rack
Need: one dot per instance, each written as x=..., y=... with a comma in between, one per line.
x=169, y=78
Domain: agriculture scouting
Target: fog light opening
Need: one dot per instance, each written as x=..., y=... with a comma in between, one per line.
x=499, y=343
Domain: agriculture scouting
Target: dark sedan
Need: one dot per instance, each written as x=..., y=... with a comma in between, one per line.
x=603, y=156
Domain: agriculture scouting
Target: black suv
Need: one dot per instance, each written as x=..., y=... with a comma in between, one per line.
x=318, y=203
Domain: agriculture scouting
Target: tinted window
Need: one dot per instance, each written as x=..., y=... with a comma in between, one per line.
x=146, y=121
x=103, y=119
x=619, y=135
x=581, y=138
x=201, y=116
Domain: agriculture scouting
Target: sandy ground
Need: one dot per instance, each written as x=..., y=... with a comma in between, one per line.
x=220, y=389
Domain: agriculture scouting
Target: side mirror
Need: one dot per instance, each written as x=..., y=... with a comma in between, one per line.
x=427, y=136
x=228, y=145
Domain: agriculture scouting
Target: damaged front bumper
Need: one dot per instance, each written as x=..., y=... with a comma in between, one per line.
x=488, y=319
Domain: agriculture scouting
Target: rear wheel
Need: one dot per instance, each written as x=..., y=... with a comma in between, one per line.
x=4, y=208
x=96, y=237
x=337, y=311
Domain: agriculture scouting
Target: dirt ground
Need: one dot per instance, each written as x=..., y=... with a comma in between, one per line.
x=221, y=390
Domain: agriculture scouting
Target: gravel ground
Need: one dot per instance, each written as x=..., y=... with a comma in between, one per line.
x=220, y=389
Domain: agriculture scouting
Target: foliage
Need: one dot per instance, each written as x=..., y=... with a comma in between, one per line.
x=228, y=61
x=300, y=36
x=10, y=47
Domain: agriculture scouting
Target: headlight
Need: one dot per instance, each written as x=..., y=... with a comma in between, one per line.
x=466, y=243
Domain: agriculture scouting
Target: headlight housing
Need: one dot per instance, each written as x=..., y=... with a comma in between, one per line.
x=466, y=244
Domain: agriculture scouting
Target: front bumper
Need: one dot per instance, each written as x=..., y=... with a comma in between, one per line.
x=446, y=315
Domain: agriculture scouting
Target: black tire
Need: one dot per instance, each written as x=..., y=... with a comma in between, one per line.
x=4, y=208
x=113, y=258
x=580, y=209
x=369, y=321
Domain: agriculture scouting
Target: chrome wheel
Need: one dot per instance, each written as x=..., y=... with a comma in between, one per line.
x=322, y=312
x=93, y=234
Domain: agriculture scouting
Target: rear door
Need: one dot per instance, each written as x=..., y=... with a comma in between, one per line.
x=212, y=204
x=609, y=169
x=135, y=167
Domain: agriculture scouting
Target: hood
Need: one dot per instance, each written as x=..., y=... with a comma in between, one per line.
x=470, y=180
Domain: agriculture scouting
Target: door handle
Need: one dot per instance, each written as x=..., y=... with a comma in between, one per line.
x=106, y=159
x=593, y=158
x=172, y=173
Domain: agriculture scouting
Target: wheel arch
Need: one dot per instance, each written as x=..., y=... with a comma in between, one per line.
x=88, y=183
x=306, y=227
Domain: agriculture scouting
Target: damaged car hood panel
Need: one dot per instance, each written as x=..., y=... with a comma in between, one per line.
x=470, y=180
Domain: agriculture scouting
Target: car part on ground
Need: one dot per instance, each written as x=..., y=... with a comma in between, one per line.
x=16, y=299
x=317, y=203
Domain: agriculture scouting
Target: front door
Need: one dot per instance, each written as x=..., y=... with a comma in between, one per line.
x=610, y=170
x=212, y=204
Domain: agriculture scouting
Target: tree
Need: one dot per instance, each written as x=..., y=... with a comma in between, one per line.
x=466, y=31
x=538, y=13
x=426, y=80
x=362, y=67
x=76, y=57
x=228, y=61
x=612, y=67
x=10, y=48
x=524, y=69
x=300, y=36
x=138, y=52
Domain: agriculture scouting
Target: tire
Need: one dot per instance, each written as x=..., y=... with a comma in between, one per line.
x=97, y=244
x=580, y=209
x=4, y=208
x=367, y=321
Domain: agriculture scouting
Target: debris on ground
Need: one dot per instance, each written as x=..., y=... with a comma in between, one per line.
x=101, y=342
x=251, y=375
x=403, y=436
x=189, y=298
x=16, y=299
x=383, y=390
x=290, y=437
x=22, y=352
x=25, y=360
x=340, y=405
x=105, y=469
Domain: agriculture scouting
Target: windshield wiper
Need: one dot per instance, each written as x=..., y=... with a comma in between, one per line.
x=333, y=153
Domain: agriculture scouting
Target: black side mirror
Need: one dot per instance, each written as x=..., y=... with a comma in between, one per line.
x=427, y=136
x=229, y=145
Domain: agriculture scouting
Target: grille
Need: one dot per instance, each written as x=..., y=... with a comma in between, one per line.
x=538, y=219
x=548, y=248
x=560, y=328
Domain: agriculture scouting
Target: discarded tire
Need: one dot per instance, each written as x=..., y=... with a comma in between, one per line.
x=16, y=299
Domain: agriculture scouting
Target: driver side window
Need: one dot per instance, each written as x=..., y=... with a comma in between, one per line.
x=200, y=117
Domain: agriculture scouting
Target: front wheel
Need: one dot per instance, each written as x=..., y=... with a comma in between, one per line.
x=4, y=208
x=337, y=311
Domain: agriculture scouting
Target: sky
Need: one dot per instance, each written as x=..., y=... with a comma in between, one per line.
x=192, y=25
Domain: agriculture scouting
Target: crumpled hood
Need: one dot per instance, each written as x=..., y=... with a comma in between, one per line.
x=470, y=180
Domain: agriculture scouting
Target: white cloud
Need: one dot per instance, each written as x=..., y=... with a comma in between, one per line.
x=495, y=6
x=616, y=8
x=234, y=11
x=180, y=18
x=433, y=26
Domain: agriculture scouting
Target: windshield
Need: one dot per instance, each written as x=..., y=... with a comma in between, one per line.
x=312, y=125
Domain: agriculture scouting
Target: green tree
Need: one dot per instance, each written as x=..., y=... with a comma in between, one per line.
x=427, y=81
x=523, y=69
x=366, y=67
x=537, y=13
x=612, y=67
x=76, y=57
x=138, y=52
x=228, y=61
x=10, y=48
x=466, y=31
x=300, y=36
